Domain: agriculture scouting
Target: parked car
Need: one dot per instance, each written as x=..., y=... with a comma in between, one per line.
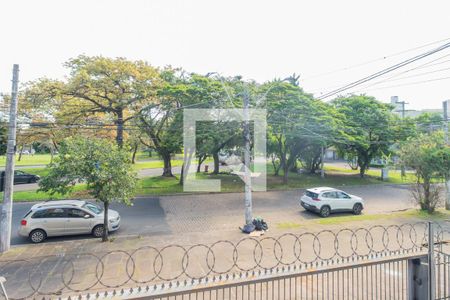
x=21, y=177
x=66, y=217
x=325, y=200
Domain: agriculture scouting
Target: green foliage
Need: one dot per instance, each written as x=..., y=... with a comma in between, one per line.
x=3, y=138
x=429, y=156
x=298, y=126
x=370, y=127
x=429, y=122
x=104, y=168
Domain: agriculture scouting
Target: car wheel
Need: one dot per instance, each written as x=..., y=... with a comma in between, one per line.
x=31, y=180
x=38, y=236
x=357, y=209
x=98, y=231
x=325, y=211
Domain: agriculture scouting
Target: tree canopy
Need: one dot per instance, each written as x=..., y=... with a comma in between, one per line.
x=103, y=167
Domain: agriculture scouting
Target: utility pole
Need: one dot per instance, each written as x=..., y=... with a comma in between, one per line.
x=446, y=108
x=6, y=213
x=394, y=100
x=248, y=227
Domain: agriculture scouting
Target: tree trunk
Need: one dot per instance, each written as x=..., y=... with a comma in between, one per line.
x=363, y=163
x=51, y=155
x=284, y=166
x=133, y=158
x=119, y=134
x=294, y=167
x=199, y=165
x=286, y=173
x=105, y=221
x=181, y=181
x=276, y=168
x=426, y=196
x=55, y=145
x=201, y=159
x=20, y=153
x=362, y=171
x=216, y=162
x=167, y=170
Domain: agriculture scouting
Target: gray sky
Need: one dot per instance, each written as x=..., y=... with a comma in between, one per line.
x=254, y=38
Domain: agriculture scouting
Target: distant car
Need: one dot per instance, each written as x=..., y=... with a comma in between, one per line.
x=21, y=177
x=228, y=160
x=325, y=200
x=66, y=217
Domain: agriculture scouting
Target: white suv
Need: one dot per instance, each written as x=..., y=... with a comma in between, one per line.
x=66, y=217
x=325, y=200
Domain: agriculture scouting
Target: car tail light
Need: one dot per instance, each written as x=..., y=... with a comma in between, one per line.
x=316, y=199
x=23, y=222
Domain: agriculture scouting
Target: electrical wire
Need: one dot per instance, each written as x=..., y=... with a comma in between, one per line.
x=374, y=60
x=384, y=71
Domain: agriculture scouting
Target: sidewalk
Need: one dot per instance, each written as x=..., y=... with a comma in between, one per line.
x=90, y=265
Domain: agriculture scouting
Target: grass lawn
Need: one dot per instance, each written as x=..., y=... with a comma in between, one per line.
x=142, y=160
x=232, y=183
x=79, y=192
x=154, y=164
x=394, y=175
x=36, y=171
x=143, y=156
x=154, y=186
x=438, y=215
x=28, y=160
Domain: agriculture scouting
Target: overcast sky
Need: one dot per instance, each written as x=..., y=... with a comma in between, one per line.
x=257, y=39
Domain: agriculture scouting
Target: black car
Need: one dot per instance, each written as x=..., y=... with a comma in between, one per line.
x=21, y=177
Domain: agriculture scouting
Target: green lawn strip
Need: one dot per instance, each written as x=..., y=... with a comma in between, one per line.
x=36, y=171
x=143, y=156
x=337, y=219
x=157, y=185
x=232, y=183
x=154, y=164
x=79, y=192
x=394, y=175
x=138, y=166
x=28, y=160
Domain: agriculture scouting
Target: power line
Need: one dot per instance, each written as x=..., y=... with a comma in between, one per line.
x=385, y=71
x=374, y=60
x=422, y=66
x=410, y=83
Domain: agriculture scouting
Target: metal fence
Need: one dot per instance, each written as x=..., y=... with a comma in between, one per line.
x=442, y=277
x=362, y=263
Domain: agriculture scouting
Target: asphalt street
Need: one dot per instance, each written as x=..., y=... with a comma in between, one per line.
x=166, y=215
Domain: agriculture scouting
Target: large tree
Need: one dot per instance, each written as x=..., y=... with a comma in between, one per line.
x=371, y=129
x=429, y=157
x=297, y=124
x=102, y=166
x=113, y=90
x=117, y=87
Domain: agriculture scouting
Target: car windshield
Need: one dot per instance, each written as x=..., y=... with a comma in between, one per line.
x=96, y=209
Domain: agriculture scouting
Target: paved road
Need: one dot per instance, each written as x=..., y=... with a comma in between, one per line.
x=223, y=212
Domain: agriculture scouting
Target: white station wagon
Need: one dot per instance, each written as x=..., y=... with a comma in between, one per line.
x=66, y=217
x=325, y=200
